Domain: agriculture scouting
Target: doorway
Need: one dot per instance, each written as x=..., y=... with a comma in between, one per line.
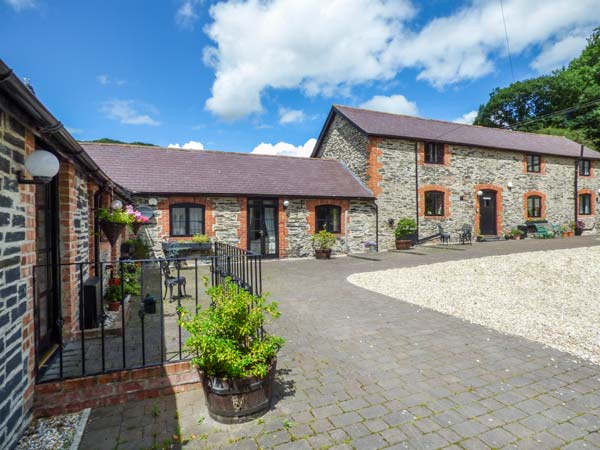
x=262, y=227
x=47, y=295
x=488, y=213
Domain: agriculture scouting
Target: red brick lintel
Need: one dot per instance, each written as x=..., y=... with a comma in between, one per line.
x=114, y=388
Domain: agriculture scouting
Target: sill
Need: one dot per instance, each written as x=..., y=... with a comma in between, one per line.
x=434, y=164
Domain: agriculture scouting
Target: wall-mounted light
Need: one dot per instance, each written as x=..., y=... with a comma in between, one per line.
x=391, y=222
x=479, y=193
x=509, y=185
x=286, y=203
x=116, y=204
x=41, y=165
x=153, y=201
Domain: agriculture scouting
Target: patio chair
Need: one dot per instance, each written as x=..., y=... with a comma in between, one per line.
x=444, y=236
x=170, y=281
x=465, y=234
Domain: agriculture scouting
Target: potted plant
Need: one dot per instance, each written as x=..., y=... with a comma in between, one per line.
x=113, y=222
x=201, y=242
x=138, y=219
x=405, y=233
x=516, y=234
x=113, y=294
x=323, y=241
x=235, y=357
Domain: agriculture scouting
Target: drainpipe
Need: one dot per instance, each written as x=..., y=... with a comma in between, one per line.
x=417, y=187
x=577, y=161
x=97, y=197
x=376, y=225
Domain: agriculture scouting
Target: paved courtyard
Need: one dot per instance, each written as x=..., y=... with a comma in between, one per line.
x=361, y=370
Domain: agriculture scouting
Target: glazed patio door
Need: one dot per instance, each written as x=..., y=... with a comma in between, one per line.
x=262, y=227
x=487, y=213
x=47, y=304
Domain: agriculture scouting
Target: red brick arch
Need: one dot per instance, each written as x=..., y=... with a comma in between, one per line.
x=447, y=203
x=528, y=194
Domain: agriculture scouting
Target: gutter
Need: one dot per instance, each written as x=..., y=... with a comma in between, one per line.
x=50, y=127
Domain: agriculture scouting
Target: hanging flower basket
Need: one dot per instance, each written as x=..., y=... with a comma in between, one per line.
x=112, y=230
x=135, y=226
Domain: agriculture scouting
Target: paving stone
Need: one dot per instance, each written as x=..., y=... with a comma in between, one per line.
x=345, y=419
x=497, y=437
x=295, y=445
x=373, y=411
x=567, y=431
x=273, y=439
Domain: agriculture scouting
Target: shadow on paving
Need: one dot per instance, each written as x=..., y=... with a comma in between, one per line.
x=361, y=370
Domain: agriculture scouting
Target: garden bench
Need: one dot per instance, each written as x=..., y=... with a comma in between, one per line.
x=542, y=230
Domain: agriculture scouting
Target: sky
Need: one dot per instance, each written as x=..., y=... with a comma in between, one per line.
x=261, y=76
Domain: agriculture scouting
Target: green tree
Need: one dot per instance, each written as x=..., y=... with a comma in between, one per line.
x=565, y=103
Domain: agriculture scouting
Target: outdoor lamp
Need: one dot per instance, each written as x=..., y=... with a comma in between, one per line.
x=286, y=203
x=479, y=193
x=42, y=166
x=509, y=185
x=116, y=204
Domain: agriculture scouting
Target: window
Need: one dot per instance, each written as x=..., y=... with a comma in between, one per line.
x=434, y=203
x=585, y=204
x=585, y=166
x=534, y=206
x=434, y=153
x=187, y=219
x=534, y=163
x=328, y=218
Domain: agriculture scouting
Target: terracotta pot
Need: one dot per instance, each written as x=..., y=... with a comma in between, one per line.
x=235, y=400
x=114, y=306
x=403, y=244
x=112, y=230
x=323, y=254
x=517, y=237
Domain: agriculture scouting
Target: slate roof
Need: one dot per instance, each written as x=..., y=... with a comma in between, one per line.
x=158, y=170
x=376, y=123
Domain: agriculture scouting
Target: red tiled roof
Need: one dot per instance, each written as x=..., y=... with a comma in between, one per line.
x=158, y=170
x=395, y=125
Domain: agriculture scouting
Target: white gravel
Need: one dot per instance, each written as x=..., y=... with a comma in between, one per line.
x=552, y=297
x=51, y=433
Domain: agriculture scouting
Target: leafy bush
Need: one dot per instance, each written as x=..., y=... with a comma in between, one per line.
x=140, y=249
x=116, y=216
x=113, y=293
x=200, y=239
x=405, y=226
x=516, y=232
x=323, y=240
x=224, y=339
x=131, y=279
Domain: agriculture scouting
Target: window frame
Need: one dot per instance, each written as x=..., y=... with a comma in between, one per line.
x=187, y=207
x=441, y=195
x=580, y=204
x=328, y=226
x=587, y=162
x=531, y=165
x=439, y=151
x=541, y=207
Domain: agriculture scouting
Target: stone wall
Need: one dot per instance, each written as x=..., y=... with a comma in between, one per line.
x=388, y=167
x=17, y=257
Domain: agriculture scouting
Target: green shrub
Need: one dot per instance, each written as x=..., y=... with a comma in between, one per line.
x=405, y=226
x=224, y=340
x=140, y=249
x=323, y=240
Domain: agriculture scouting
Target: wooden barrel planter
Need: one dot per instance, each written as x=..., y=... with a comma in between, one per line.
x=323, y=254
x=238, y=400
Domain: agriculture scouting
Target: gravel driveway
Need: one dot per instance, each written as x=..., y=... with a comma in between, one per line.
x=551, y=296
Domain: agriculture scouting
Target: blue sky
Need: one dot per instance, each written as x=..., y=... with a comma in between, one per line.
x=256, y=75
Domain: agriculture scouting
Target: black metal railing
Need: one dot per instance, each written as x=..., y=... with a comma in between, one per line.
x=111, y=316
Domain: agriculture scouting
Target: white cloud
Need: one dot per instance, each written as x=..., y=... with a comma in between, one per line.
x=191, y=145
x=186, y=15
x=395, y=104
x=321, y=47
x=283, y=148
x=326, y=48
x=290, y=115
x=559, y=53
x=130, y=112
x=20, y=5
x=466, y=118
x=103, y=79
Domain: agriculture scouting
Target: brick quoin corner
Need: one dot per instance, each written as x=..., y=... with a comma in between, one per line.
x=114, y=388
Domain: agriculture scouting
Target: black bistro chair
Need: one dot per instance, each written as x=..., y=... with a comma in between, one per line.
x=170, y=281
x=444, y=236
x=465, y=234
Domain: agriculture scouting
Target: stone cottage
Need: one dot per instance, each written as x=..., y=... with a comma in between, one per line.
x=41, y=225
x=446, y=174
x=270, y=205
